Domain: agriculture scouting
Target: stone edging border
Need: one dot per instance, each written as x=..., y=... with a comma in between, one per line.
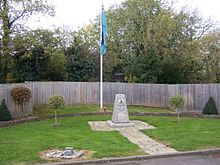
x=140, y=158
x=32, y=119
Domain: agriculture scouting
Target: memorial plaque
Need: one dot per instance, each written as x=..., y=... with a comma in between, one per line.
x=120, y=113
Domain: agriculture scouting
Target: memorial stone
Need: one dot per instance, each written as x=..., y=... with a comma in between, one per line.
x=120, y=116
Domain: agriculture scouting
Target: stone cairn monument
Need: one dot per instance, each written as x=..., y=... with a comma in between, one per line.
x=120, y=113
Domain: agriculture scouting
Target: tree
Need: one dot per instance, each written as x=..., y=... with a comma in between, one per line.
x=80, y=66
x=177, y=102
x=133, y=32
x=210, y=55
x=56, y=102
x=12, y=13
x=21, y=95
x=152, y=41
x=39, y=55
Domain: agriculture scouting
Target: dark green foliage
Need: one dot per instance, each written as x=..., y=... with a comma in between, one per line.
x=148, y=42
x=31, y=69
x=5, y=114
x=210, y=107
x=11, y=18
x=80, y=66
x=38, y=56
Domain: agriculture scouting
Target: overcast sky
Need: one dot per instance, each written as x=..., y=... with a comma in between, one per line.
x=76, y=13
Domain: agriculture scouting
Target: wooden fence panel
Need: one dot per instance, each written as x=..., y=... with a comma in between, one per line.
x=154, y=95
x=15, y=109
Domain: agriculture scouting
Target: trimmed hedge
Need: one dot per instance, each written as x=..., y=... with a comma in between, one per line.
x=5, y=114
x=210, y=107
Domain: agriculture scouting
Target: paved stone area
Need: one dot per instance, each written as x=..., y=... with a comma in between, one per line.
x=133, y=134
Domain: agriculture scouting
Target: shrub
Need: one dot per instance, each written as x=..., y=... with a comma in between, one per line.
x=21, y=94
x=210, y=107
x=56, y=102
x=5, y=114
x=177, y=102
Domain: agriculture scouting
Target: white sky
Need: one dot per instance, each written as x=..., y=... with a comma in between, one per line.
x=76, y=13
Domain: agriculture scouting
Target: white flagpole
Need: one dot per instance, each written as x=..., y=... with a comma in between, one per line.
x=101, y=81
x=101, y=67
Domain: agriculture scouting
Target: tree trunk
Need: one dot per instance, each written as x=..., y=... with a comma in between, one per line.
x=178, y=115
x=55, y=115
x=5, y=58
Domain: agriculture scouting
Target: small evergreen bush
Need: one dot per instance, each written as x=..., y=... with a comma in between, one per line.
x=56, y=102
x=210, y=107
x=5, y=114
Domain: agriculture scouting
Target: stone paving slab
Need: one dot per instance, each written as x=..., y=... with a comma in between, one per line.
x=103, y=126
x=133, y=134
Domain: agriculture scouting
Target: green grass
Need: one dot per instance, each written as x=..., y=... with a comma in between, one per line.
x=69, y=109
x=22, y=143
x=187, y=134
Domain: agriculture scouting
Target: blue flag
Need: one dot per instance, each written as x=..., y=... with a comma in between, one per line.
x=104, y=31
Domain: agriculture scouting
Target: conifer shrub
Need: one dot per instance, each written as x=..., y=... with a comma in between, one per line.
x=210, y=107
x=5, y=114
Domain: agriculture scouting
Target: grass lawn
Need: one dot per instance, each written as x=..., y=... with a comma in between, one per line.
x=185, y=135
x=45, y=111
x=22, y=143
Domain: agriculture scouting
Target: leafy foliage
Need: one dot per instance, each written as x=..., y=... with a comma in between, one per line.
x=21, y=94
x=177, y=101
x=210, y=48
x=210, y=107
x=80, y=66
x=56, y=102
x=152, y=41
x=13, y=15
x=38, y=56
x=148, y=42
x=5, y=114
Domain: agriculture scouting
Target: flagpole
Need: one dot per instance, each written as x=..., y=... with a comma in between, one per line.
x=103, y=34
x=101, y=81
x=101, y=66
